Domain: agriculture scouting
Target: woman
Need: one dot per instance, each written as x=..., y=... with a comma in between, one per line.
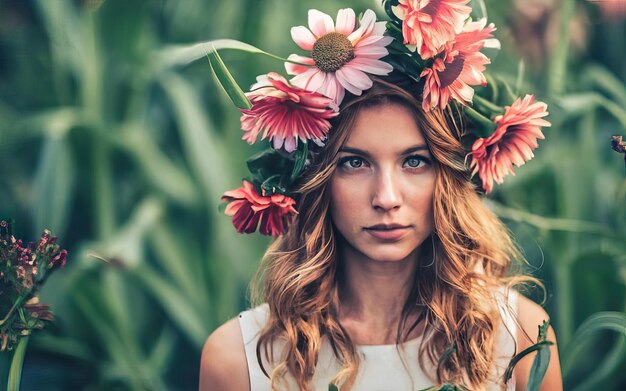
x=391, y=275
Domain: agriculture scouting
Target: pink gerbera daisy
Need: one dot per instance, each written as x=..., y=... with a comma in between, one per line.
x=285, y=113
x=512, y=142
x=460, y=65
x=429, y=24
x=341, y=56
x=248, y=208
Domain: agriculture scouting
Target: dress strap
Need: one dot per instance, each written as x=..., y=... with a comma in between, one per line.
x=507, y=299
x=252, y=322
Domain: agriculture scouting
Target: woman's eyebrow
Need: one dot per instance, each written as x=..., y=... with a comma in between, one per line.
x=420, y=147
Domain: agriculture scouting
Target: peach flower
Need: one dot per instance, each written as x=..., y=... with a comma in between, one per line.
x=460, y=66
x=428, y=24
x=512, y=142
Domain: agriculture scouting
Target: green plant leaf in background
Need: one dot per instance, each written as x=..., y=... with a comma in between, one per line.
x=598, y=322
x=236, y=95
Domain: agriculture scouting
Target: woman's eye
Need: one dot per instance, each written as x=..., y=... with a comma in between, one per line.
x=415, y=161
x=351, y=162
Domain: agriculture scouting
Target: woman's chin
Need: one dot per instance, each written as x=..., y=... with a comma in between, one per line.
x=389, y=254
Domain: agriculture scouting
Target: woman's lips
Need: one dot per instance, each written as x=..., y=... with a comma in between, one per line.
x=394, y=233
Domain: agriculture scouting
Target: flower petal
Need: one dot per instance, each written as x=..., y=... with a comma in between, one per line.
x=375, y=67
x=320, y=23
x=356, y=77
x=303, y=37
x=296, y=69
x=346, y=20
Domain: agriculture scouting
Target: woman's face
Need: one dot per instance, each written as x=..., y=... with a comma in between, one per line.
x=382, y=189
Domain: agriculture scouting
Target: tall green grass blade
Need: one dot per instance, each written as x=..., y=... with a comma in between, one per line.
x=121, y=360
x=601, y=321
x=227, y=81
x=158, y=169
x=208, y=158
x=175, y=305
x=126, y=247
x=608, y=82
x=557, y=61
x=577, y=104
x=54, y=187
x=607, y=372
x=179, y=259
x=203, y=149
x=66, y=46
x=521, y=70
x=162, y=350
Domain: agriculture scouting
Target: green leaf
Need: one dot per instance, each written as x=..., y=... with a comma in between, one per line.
x=54, y=186
x=175, y=305
x=185, y=54
x=273, y=185
x=541, y=361
x=300, y=161
x=236, y=95
x=601, y=321
x=203, y=148
x=577, y=104
x=157, y=168
x=332, y=387
x=538, y=369
x=607, y=81
x=162, y=350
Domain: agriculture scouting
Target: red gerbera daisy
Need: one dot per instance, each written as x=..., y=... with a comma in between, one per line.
x=285, y=113
x=248, y=208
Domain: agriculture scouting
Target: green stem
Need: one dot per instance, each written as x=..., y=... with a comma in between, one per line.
x=494, y=108
x=557, y=67
x=92, y=88
x=485, y=126
x=15, y=372
x=565, y=309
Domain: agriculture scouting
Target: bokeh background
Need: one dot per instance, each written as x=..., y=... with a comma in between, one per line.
x=123, y=152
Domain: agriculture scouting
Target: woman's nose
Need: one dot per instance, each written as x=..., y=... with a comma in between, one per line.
x=387, y=195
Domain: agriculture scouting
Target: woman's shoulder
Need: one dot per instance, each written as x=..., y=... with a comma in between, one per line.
x=530, y=315
x=223, y=365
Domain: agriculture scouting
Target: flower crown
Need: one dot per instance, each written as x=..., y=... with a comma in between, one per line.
x=435, y=45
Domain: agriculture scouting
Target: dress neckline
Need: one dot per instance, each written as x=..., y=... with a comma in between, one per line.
x=372, y=348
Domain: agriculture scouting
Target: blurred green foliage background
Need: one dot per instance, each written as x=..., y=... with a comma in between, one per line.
x=123, y=152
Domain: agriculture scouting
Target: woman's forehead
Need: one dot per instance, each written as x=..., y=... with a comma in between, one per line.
x=385, y=127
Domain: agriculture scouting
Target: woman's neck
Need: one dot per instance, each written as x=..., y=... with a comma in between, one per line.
x=372, y=296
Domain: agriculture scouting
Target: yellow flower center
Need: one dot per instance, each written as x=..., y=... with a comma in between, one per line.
x=332, y=51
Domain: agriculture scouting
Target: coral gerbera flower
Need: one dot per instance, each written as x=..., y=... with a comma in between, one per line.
x=248, y=208
x=512, y=142
x=429, y=24
x=285, y=113
x=341, y=56
x=460, y=66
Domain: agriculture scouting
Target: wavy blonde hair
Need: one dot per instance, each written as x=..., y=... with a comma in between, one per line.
x=470, y=255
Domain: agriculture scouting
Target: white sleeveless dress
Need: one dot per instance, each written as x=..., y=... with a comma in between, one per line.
x=382, y=367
